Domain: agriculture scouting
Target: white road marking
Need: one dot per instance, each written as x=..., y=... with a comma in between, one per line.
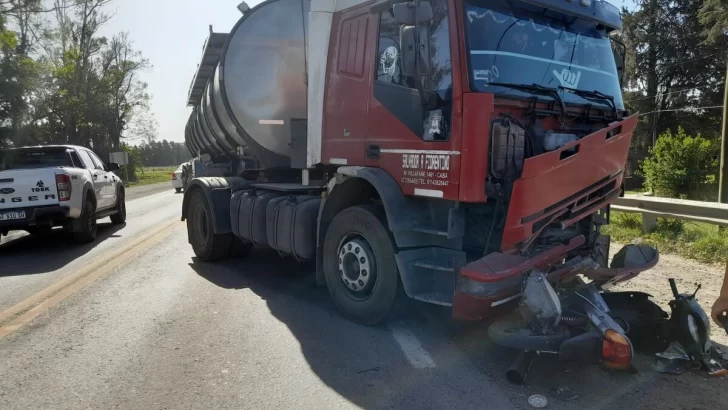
x=411, y=346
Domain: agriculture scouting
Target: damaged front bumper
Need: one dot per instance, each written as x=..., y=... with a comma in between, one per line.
x=491, y=286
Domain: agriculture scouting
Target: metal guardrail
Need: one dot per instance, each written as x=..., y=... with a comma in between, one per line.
x=653, y=207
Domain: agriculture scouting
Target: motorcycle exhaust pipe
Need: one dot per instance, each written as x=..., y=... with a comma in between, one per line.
x=518, y=371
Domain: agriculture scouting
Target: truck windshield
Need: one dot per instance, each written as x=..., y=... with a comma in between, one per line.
x=33, y=158
x=512, y=42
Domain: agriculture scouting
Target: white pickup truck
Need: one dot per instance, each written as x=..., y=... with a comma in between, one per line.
x=58, y=185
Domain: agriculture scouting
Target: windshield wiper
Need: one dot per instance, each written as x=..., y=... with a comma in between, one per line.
x=537, y=89
x=594, y=95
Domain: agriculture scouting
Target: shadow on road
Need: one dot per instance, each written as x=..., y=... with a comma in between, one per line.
x=30, y=255
x=364, y=364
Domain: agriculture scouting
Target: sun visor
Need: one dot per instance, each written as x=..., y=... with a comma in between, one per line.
x=597, y=10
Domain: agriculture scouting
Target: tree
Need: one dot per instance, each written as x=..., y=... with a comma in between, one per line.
x=164, y=153
x=64, y=83
x=714, y=16
x=672, y=69
x=19, y=34
x=121, y=65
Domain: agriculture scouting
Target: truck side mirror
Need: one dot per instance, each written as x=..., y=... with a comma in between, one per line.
x=112, y=166
x=407, y=43
x=404, y=13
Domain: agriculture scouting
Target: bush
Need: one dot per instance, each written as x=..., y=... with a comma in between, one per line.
x=627, y=220
x=701, y=241
x=672, y=228
x=709, y=248
x=679, y=164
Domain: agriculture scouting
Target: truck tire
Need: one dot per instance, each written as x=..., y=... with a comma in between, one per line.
x=178, y=190
x=120, y=216
x=207, y=245
x=359, y=266
x=87, y=223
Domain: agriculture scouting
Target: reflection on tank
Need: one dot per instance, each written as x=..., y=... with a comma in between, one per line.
x=247, y=91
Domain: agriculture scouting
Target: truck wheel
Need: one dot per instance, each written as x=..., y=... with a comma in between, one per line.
x=178, y=190
x=207, y=245
x=87, y=222
x=359, y=265
x=120, y=216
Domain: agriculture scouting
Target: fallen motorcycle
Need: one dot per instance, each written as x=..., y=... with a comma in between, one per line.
x=560, y=314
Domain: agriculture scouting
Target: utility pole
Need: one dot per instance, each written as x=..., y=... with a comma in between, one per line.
x=723, y=181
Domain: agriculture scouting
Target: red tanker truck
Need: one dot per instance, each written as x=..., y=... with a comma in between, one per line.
x=464, y=150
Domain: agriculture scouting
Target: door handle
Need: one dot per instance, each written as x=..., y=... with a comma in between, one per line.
x=95, y=176
x=373, y=151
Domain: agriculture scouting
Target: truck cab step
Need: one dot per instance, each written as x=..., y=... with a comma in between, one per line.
x=291, y=188
x=429, y=274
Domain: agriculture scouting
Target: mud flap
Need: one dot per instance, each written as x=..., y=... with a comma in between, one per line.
x=429, y=274
x=74, y=225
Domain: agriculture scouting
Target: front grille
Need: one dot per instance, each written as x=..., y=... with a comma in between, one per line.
x=583, y=203
x=575, y=197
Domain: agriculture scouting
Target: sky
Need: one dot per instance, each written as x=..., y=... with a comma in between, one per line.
x=170, y=34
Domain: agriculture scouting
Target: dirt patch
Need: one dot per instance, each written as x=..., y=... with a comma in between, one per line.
x=688, y=275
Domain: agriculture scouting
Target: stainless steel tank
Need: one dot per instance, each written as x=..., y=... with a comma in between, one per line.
x=194, y=149
x=257, y=87
x=196, y=136
x=214, y=124
x=216, y=146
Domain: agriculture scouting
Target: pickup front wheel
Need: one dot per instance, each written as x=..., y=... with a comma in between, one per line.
x=120, y=216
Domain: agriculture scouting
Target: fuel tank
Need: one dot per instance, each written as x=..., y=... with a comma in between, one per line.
x=251, y=83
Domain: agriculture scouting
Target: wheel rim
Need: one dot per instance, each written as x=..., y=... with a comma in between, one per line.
x=357, y=266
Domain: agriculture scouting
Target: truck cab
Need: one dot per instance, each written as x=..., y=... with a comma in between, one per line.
x=454, y=144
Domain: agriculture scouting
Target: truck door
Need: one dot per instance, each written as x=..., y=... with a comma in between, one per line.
x=345, y=125
x=411, y=137
x=97, y=177
x=109, y=189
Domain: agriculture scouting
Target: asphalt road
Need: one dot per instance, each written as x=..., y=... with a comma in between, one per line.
x=135, y=321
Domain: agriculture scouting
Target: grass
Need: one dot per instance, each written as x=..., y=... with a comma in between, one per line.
x=695, y=240
x=152, y=175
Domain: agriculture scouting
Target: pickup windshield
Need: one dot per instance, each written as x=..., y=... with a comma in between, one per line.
x=512, y=42
x=26, y=158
